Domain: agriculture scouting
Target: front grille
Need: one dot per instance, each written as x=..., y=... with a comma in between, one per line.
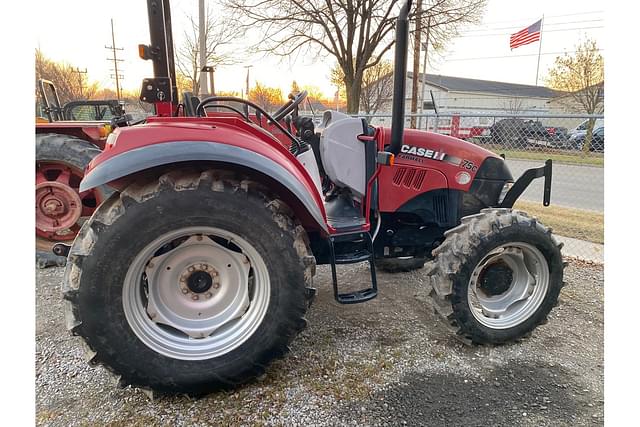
x=440, y=209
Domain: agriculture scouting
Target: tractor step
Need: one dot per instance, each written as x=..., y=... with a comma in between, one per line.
x=364, y=253
x=360, y=256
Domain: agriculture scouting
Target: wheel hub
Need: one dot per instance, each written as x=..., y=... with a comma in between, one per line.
x=199, y=280
x=496, y=278
x=58, y=206
x=197, y=287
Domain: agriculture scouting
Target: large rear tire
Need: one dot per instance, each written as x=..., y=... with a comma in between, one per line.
x=189, y=284
x=496, y=276
x=60, y=207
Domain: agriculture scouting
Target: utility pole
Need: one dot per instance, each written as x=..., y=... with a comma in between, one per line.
x=416, y=64
x=80, y=73
x=248, y=67
x=424, y=74
x=210, y=69
x=115, y=60
x=203, y=48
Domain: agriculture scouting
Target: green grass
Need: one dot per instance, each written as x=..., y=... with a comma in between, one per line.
x=568, y=222
x=576, y=158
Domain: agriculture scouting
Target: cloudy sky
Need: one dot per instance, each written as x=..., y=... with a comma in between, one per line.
x=77, y=31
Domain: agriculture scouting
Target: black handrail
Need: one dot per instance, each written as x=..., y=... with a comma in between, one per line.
x=399, y=79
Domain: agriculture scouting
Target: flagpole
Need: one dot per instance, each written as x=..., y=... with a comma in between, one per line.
x=539, y=49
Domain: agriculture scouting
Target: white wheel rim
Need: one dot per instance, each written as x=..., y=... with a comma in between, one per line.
x=196, y=293
x=525, y=291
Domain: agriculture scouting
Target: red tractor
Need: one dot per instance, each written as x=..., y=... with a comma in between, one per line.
x=197, y=271
x=66, y=141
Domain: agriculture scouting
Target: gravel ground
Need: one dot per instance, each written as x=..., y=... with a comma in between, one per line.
x=386, y=362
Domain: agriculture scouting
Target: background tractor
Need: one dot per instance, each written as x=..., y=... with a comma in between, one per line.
x=67, y=139
x=197, y=271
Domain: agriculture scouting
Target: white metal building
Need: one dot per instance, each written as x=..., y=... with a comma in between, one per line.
x=459, y=94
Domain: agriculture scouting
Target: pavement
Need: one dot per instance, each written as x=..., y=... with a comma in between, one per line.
x=573, y=186
x=582, y=250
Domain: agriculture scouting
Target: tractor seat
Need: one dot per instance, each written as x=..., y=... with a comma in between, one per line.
x=347, y=160
x=190, y=103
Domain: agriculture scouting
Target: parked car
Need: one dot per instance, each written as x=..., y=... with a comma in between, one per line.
x=582, y=127
x=576, y=141
x=517, y=132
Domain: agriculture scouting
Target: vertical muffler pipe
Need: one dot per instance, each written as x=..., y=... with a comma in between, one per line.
x=399, y=79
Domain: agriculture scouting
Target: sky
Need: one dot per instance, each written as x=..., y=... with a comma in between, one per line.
x=83, y=29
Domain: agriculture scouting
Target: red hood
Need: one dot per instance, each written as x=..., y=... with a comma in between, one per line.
x=455, y=160
x=438, y=143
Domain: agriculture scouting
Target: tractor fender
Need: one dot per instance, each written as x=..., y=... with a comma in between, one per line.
x=150, y=156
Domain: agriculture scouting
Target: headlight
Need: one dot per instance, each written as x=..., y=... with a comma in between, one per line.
x=505, y=189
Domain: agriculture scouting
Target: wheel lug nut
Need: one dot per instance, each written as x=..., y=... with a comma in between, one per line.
x=208, y=294
x=185, y=291
x=191, y=269
x=195, y=297
x=216, y=285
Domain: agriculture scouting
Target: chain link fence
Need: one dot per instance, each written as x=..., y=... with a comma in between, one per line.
x=576, y=145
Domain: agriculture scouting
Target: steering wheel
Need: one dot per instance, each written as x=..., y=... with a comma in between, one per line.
x=289, y=106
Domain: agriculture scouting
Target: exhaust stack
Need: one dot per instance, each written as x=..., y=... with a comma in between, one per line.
x=399, y=79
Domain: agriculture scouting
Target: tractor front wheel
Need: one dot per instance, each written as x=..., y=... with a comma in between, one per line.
x=188, y=284
x=496, y=276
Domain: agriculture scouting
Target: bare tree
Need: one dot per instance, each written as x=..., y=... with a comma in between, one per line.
x=581, y=77
x=219, y=34
x=514, y=105
x=70, y=85
x=377, y=86
x=357, y=33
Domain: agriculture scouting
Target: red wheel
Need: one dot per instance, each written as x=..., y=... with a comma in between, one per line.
x=60, y=207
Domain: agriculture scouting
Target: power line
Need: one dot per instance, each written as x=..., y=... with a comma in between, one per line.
x=546, y=31
x=546, y=24
x=512, y=56
x=549, y=16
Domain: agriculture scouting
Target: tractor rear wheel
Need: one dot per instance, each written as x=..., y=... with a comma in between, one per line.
x=397, y=265
x=188, y=284
x=496, y=276
x=60, y=207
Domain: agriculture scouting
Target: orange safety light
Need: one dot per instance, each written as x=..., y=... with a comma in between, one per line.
x=104, y=131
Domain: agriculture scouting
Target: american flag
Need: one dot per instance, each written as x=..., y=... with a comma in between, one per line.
x=528, y=35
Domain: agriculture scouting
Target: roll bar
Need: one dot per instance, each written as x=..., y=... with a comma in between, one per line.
x=399, y=79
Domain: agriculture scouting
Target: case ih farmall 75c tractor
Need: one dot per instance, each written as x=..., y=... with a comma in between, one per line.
x=197, y=271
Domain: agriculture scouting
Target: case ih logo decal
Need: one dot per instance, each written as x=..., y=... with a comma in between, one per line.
x=411, y=152
x=422, y=152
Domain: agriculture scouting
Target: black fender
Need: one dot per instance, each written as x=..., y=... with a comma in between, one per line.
x=150, y=156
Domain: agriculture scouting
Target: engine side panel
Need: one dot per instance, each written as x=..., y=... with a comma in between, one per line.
x=428, y=162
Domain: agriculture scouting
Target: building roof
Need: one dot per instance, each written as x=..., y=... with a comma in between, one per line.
x=461, y=84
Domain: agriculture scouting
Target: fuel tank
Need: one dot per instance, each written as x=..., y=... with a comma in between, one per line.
x=430, y=161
